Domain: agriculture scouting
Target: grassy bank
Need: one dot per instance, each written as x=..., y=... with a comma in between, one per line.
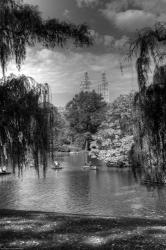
x=37, y=230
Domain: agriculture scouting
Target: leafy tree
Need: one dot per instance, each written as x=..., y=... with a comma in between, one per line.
x=24, y=122
x=114, y=138
x=85, y=113
x=60, y=134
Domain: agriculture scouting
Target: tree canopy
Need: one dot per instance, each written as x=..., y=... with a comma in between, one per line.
x=85, y=113
x=148, y=47
x=21, y=25
x=114, y=138
x=25, y=121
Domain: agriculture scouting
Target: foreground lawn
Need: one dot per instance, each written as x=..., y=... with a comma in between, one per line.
x=37, y=230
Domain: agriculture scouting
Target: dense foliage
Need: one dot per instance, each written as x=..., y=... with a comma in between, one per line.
x=150, y=106
x=25, y=121
x=85, y=113
x=61, y=133
x=150, y=129
x=114, y=139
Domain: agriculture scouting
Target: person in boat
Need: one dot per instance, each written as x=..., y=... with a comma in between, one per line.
x=4, y=170
x=90, y=164
x=57, y=164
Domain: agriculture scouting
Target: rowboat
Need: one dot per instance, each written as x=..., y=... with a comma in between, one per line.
x=5, y=173
x=57, y=168
x=86, y=167
x=57, y=165
x=93, y=168
x=90, y=167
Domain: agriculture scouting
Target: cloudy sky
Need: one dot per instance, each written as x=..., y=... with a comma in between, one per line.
x=112, y=23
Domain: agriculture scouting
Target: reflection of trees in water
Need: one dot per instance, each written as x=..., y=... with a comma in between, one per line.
x=76, y=180
x=124, y=178
x=78, y=188
x=157, y=189
x=137, y=173
x=76, y=159
x=8, y=193
x=158, y=193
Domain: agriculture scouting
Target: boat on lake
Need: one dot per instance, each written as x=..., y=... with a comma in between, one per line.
x=86, y=167
x=5, y=173
x=57, y=168
x=57, y=165
x=93, y=167
x=73, y=152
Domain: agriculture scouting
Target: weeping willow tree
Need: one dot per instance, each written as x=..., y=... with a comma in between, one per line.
x=150, y=102
x=25, y=123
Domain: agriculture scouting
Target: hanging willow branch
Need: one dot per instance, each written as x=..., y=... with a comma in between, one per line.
x=21, y=25
x=150, y=102
x=26, y=121
x=147, y=47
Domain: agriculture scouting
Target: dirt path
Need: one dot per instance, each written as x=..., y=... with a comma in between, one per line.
x=36, y=230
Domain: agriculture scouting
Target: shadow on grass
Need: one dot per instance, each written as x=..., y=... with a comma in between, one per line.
x=37, y=230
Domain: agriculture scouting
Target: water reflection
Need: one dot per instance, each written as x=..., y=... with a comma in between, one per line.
x=78, y=186
x=74, y=190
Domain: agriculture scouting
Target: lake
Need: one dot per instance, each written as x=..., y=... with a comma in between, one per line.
x=108, y=192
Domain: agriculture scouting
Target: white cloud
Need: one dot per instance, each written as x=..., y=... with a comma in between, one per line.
x=66, y=14
x=116, y=45
x=122, y=43
x=151, y=6
x=162, y=18
x=109, y=40
x=132, y=20
x=131, y=15
x=64, y=72
x=156, y=7
x=98, y=39
x=87, y=3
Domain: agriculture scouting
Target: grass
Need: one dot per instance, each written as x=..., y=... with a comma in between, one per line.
x=40, y=230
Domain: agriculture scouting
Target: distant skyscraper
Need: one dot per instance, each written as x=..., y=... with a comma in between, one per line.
x=85, y=84
x=103, y=88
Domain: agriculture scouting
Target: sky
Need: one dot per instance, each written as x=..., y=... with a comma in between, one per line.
x=112, y=24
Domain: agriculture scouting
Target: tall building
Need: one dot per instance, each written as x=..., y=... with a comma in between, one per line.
x=103, y=88
x=86, y=83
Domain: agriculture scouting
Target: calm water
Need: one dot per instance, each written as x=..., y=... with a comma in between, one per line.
x=74, y=190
